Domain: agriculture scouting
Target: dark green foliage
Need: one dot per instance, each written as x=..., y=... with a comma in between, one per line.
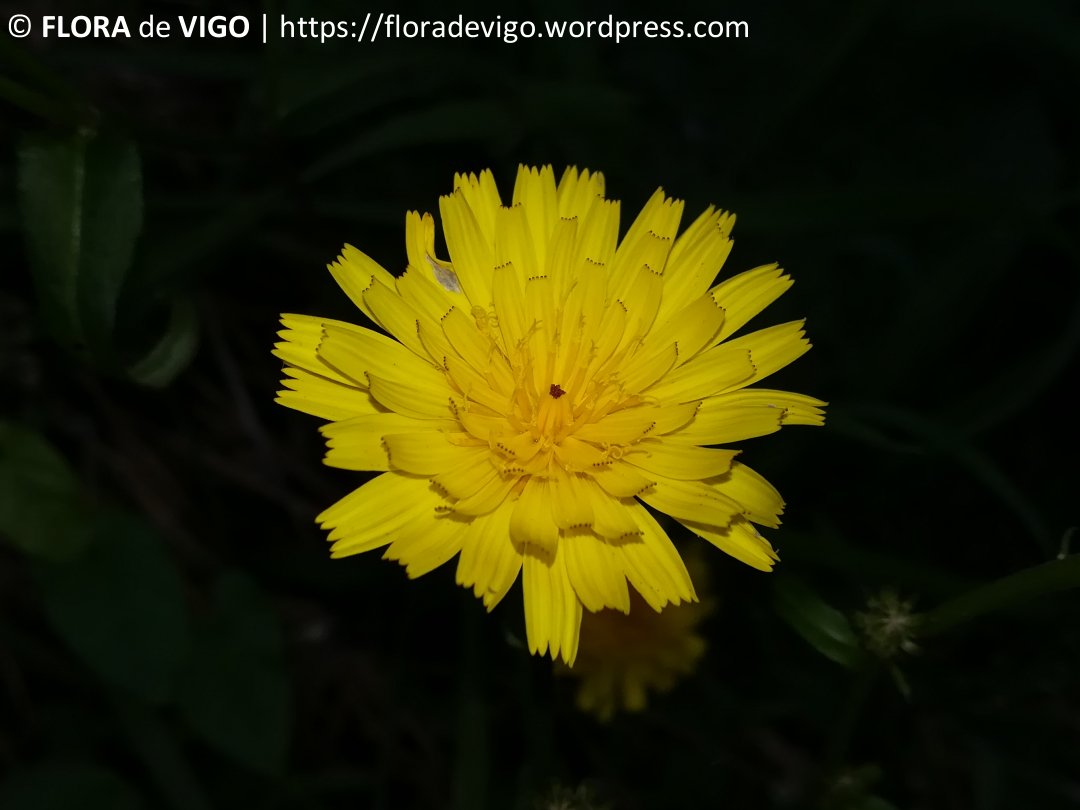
x=41, y=509
x=82, y=786
x=824, y=627
x=120, y=607
x=81, y=201
x=233, y=689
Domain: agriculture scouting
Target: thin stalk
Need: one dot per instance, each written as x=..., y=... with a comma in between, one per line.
x=843, y=730
x=1002, y=594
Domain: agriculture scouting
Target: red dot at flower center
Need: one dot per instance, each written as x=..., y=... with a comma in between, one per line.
x=556, y=391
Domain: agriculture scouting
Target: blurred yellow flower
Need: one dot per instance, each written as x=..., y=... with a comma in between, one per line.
x=624, y=656
x=541, y=382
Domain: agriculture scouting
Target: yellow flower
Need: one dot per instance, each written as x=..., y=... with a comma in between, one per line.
x=624, y=656
x=537, y=386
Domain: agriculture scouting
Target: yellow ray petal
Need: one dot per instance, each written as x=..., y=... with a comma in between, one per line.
x=561, y=257
x=796, y=409
x=642, y=298
x=467, y=481
x=596, y=573
x=649, y=238
x=679, y=461
x=620, y=427
x=420, y=402
x=482, y=197
x=691, y=500
x=609, y=335
x=759, y=499
x=470, y=252
x=672, y=417
x=612, y=517
x=355, y=272
x=358, y=353
x=520, y=447
x=484, y=426
x=621, y=480
x=745, y=295
x=423, y=295
x=369, y=516
x=717, y=423
x=709, y=373
x=644, y=372
x=299, y=340
x=691, y=329
x=357, y=443
x=535, y=193
x=515, y=243
x=490, y=495
x=429, y=545
x=429, y=453
x=474, y=387
x=577, y=190
x=653, y=565
x=510, y=305
x=695, y=259
x=739, y=539
x=396, y=315
x=532, y=527
x=770, y=350
x=473, y=347
x=489, y=563
x=598, y=234
x=323, y=397
x=552, y=609
x=419, y=239
x=570, y=502
x=540, y=312
x=577, y=456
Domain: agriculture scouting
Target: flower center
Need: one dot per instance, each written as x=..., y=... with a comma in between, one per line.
x=554, y=417
x=540, y=415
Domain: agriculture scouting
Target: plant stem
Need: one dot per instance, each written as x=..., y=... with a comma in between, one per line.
x=843, y=730
x=1004, y=593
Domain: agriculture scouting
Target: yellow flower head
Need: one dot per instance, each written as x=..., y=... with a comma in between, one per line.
x=624, y=656
x=538, y=386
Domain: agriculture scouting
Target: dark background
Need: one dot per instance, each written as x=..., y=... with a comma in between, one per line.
x=172, y=632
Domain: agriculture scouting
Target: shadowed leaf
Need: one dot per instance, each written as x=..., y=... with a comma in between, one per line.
x=234, y=691
x=824, y=627
x=41, y=509
x=81, y=201
x=68, y=787
x=120, y=607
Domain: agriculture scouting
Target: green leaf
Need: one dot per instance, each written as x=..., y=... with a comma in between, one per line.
x=41, y=508
x=233, y=690
x=68, y=787
x=121, y=608
x=825, y=628
x=81, y=201
x=173, y=352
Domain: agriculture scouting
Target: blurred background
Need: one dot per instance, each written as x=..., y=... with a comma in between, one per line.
x=173, y=633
